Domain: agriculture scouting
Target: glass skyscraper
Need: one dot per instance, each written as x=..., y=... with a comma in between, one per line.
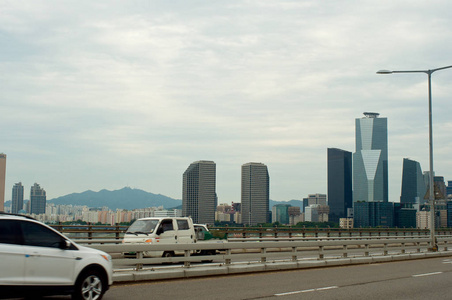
x=17, y=198
x=255, y=193
x=370, y=161
x=413, y=185
x=38, y=200
x=199, y=196
x=340, y=192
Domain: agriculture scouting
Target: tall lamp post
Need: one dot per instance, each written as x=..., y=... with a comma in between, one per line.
x=431, y=197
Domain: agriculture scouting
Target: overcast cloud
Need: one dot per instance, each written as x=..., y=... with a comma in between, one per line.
x=107, y=94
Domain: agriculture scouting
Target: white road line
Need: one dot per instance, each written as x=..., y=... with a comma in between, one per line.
x=427, y=274
x=306, y=291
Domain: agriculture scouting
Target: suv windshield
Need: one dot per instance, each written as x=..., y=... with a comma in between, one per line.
x=143, y=226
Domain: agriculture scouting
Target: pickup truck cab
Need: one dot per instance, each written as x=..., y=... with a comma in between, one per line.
x=170, y=230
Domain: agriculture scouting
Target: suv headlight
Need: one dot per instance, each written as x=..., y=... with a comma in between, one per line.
x=107, y=257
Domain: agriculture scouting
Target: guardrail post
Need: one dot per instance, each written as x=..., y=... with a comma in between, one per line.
x=445, y=245
x=117, y=232
x=90, y=232
x=385, y=247
x=139, y=266
x=227, y=261
x=366, y=252
x=345, y=254
x=263, y=258
x=403, y=248
x=294, y=254
x=321, y=252
x=186, y=254
x=418, y=244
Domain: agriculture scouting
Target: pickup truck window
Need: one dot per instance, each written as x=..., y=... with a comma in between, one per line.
x=143, y=226
x=182, y=225
x=167, y=225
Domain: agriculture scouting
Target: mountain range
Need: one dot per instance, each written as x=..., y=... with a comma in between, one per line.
x=125, y=198
x=128, y=198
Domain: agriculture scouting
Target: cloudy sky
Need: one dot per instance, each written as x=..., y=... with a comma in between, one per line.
x=106, y=94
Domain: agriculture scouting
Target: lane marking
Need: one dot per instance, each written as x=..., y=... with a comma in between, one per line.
x=307, y=291
x=427, y=274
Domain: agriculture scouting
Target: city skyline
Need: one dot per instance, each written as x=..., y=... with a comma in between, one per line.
x=101, y=95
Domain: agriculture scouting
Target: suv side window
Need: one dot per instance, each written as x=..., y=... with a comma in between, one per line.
x=37, y=235
x=182, y=225
x=9, y=232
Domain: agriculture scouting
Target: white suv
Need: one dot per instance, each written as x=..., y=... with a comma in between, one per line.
x=37, y=260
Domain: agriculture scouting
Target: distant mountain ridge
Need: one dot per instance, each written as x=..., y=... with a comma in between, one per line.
x=128, y=198
x=125, y=198
x=293, y=202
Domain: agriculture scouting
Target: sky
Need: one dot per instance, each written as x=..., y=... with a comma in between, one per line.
x=106, y=94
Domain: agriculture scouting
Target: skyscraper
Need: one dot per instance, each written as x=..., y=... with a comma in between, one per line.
x=370, y=161
x=38, y=200
x=17, y=198
x=413, y=185
x=199, y=197
x=2, y=180
x=255, y=193
x=340, y=192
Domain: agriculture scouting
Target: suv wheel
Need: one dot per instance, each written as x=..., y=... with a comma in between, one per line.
x=89, y=286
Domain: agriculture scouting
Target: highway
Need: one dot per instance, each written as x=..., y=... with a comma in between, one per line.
x=414, y=279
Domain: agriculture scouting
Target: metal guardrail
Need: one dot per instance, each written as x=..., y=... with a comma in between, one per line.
x=264, y=250
x=117, y=231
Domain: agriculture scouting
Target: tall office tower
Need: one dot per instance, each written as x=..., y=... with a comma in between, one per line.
x=18, y=198
x=413, y=185
x=2, y=180
x=38, y=200
x=255, y=193
x=440, y=187
x=449, y=189
x=340, y=192
x=317, y=199
x=370, y=161
x=199, y=197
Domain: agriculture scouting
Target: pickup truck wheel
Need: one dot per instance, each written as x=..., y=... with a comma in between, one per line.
x=90, y=285
x=168, y=254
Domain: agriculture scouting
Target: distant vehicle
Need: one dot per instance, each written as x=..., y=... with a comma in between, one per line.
x=37, y=260
x=171, y=230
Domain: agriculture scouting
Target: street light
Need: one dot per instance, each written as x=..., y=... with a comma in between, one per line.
x=431, y=197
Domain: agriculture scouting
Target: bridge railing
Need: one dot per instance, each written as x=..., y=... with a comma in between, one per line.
x=117, y=232
x=261, y=251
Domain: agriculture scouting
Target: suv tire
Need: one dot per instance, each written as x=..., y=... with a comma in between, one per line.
x=90, y=285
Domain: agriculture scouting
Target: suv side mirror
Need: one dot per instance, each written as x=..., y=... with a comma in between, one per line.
x=65, y=244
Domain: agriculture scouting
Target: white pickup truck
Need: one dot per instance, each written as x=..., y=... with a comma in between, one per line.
x=170, y=230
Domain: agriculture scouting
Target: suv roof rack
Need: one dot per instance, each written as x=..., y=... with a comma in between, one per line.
x=17, y=215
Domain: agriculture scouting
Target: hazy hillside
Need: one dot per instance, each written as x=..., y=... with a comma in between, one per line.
x=298, y=203
x=125, y=198
x=128, y=198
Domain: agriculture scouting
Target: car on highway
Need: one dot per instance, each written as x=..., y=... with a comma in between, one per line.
x=37, y=260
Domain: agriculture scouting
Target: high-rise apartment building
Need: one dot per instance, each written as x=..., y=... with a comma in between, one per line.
x=340, y=192
x=255, y=193
x=199, y=197
x=17, y=198
x=38, y=200
x=2, y=180
x=413, y=185
x=370, y=161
